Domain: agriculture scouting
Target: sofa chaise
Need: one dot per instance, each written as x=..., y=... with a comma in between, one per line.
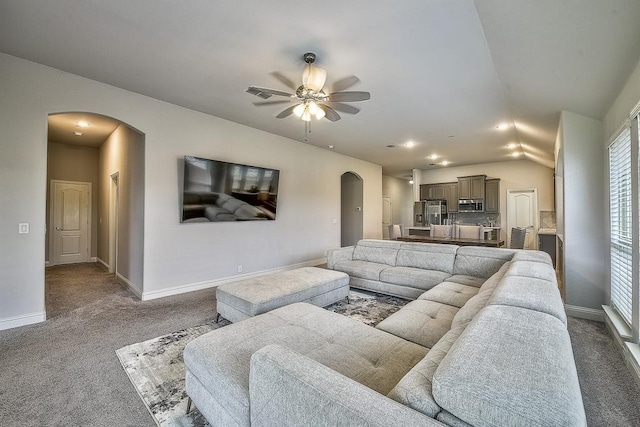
x=485, y=345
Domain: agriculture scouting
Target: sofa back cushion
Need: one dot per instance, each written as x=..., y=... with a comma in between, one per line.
x=511, y=367
x=427, y=256
x=479, y=301
x=414, y=389
x=378, y=251
x=479, y=261
x=530, y=293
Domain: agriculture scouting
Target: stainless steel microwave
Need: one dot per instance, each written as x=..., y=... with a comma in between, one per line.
x=471, y=205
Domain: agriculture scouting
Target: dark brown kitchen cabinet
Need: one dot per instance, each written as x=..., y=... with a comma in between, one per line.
x=471, y=187
x=451, y=196
x=492, y=196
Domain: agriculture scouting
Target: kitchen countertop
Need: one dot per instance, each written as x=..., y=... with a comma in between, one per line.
x=419, y=227
x=546, y=231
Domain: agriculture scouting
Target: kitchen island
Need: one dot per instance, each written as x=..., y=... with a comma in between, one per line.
x=494, y=243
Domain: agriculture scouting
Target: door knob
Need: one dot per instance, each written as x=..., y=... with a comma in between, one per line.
x=58, y=228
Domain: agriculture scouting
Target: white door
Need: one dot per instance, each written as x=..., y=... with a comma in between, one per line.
x=522, y=211
x=386, y=216
x=70, y=213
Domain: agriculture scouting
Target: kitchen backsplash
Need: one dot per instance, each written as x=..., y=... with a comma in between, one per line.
x=475, y=218
x=547, y=219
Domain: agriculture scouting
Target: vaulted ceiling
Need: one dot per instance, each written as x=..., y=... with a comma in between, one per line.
x=442, y=73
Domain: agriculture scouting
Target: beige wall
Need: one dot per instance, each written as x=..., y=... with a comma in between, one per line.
x=123, y=153
x=177, y=257
x=513, y=175
x=401, y=194
x=74, y=163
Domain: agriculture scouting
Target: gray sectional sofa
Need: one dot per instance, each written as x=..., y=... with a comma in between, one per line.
x=201, y=206
x=484, y=342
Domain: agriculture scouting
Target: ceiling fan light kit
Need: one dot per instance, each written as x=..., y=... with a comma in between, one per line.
x=311, y=100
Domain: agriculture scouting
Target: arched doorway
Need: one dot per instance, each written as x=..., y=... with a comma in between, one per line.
x=351, y=209
x=106, y=156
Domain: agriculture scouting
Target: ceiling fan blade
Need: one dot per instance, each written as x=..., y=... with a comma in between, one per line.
x=267, y=103
x=349, y=96
x=345, y=108
x=266, y=93
x=286, y=112
x=344, y=84
x=330, y=113
x=284, y=79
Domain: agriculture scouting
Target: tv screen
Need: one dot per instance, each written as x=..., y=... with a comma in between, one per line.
x=216, y=191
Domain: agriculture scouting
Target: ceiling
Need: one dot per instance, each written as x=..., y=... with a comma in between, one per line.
x=62, y=128
x=442, y=73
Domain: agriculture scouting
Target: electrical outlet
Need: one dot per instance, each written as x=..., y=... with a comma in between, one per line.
x=239, y=269
x=23, y=228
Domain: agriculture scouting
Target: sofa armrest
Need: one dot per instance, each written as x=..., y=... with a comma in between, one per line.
x=289, y=389
x=336, y=255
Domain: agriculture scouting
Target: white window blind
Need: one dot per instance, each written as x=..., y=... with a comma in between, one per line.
x=621, y=224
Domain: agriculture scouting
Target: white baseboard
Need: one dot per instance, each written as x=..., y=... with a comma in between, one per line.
x=102, y=262
x=622, y=335
x=23, y=320
x=217, y=282
x=93, y=259
x=129, y=285
x=584, y=312
x=632, y=356
x=46, y=264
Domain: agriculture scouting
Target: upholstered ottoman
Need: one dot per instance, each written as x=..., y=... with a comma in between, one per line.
x=247, y=298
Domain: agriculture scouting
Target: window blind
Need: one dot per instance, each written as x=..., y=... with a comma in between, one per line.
x=621, y=224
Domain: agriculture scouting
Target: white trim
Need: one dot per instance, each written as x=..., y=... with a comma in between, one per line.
x=217, y=282
x=617, y=323
x=93, y=259
x=633, y=360
x=46, y=264
x=102, y=262
x=584, y=312
x=22, y=320
x=635, y=111
x=129, y=285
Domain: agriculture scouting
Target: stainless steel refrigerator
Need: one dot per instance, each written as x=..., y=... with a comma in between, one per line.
x=430, y=212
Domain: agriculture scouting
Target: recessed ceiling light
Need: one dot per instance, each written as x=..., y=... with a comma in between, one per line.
x=410, y=144
x=330, y=147
x=516, y=154
x=444, y=163
x=410, y=181
x=502, y=126
x=78, y=133
x=512, y=146
x=82, y=124
x=433, y=157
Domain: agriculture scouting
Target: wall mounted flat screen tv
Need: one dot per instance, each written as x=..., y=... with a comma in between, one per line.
x=216, y=191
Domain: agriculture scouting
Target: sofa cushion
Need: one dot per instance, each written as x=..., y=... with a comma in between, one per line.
x=378, y=251
x=427, y=256
x=361, y=269
x=422, y=322
x=220, y=359
x=509, y=366
x=480, y=261
x=492, y=282
x=471, y=309
x=535, y=269
x=414, y=277
x=450, y=293
x=414, y=389
x=529, y=292
x=528, y=255
x=467, y=280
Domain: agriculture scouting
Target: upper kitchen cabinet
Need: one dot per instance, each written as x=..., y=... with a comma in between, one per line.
x=432, y=192
x=451, y=195
x=471, y=187
x=492, y=196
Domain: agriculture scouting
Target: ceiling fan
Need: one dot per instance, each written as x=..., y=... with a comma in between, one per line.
x=309, y=98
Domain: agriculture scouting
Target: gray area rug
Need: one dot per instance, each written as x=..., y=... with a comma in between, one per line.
x=156, y=368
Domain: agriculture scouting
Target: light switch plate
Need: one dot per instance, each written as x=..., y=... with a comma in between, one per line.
x=23, y=228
